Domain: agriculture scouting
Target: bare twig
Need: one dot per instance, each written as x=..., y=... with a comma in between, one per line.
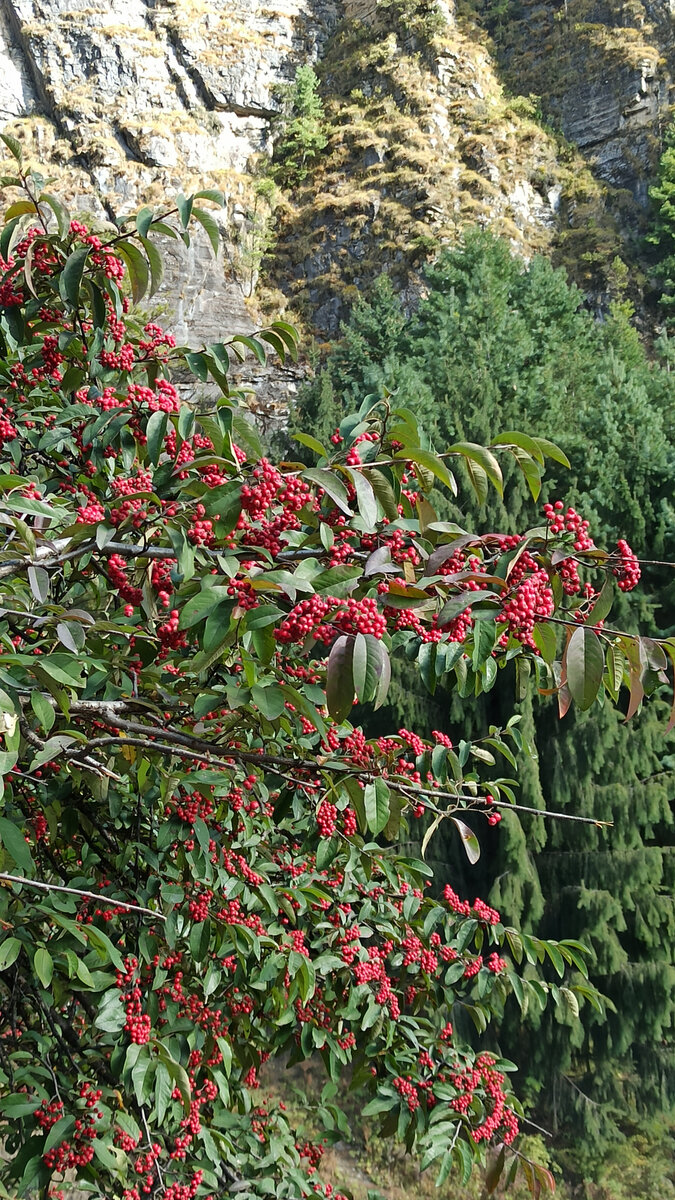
x=57, y=887
x=414, y=792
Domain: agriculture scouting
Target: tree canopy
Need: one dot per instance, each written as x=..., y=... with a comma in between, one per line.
x=204, y=856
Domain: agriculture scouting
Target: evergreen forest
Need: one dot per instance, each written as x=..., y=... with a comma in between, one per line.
x=496, y=344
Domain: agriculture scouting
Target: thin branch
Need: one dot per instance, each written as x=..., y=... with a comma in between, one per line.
x=588, y=624
x=160, y=1177
x=410, y=790
x=46, y=556
x=57, y=887
x=196, y=747
x=583, y=1095
x=529, y=1121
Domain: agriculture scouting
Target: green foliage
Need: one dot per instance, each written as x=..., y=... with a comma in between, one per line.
x=494, y=343
x=662, y=225
x=304, y=131
x=204, y=857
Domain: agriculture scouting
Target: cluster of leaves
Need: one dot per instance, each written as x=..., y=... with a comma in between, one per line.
x=202, y=851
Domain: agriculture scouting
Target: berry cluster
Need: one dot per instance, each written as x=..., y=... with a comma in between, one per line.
x=627, y=568
x=79, y=1152
x=530, y=602
x=324, y=617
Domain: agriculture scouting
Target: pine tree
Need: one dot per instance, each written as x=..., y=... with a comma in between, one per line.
x=304, y=133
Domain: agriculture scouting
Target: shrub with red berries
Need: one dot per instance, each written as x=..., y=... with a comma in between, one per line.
x=199, y=841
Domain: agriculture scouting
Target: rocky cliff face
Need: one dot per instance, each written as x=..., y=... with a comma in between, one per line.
x=129, y=101
x=126, y=101
x=604, y=71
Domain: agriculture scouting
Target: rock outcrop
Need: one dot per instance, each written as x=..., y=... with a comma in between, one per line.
x=127, y=101
x=603, y=70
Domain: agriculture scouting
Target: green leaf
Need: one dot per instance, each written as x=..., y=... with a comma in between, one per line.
x=360, y=666
x=585, y=666
x=155, y=433
x=106, y=951
x=327, y=850
x=20, y=208
x=84, y=974
x=59, y=1132
x=246, y=435
x=570, y=1003
x=446, y=1167
x=484, y=638
x=552, y=451
x=10, y=949
x=13, y=146
x=178, y=1074
x=224, y=503
x=330, y=483
x=60, y=212
x=10, y=233
x=531, y=470
x=270, y=700
x=71, y=276
x=141, y=1077
x=277, y=343
x=139, y=272
x=365, y=496
x=512, y=437
x=184, y=207
x=210, y=227
x=339, y=678
x=253, y=344
x=311, y=443
x=545, y=640
x=494, y=1171
x=15, y=844
x=184, y=552
x=38, y=580
x=163, y=1090
x=109, y=1157
x=63, y=669
x=457, y=604
x=17, y=1106
x=143, y=221
x=199, y=606
x=71, y=635
x=376, y=805
x=430, y=462
x=482, y=457
x=156, y=264
x=603, y=605
x=198, y=364
x=384, y=492
x=43, y=965
x=111, y=1015
x=555, y=957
